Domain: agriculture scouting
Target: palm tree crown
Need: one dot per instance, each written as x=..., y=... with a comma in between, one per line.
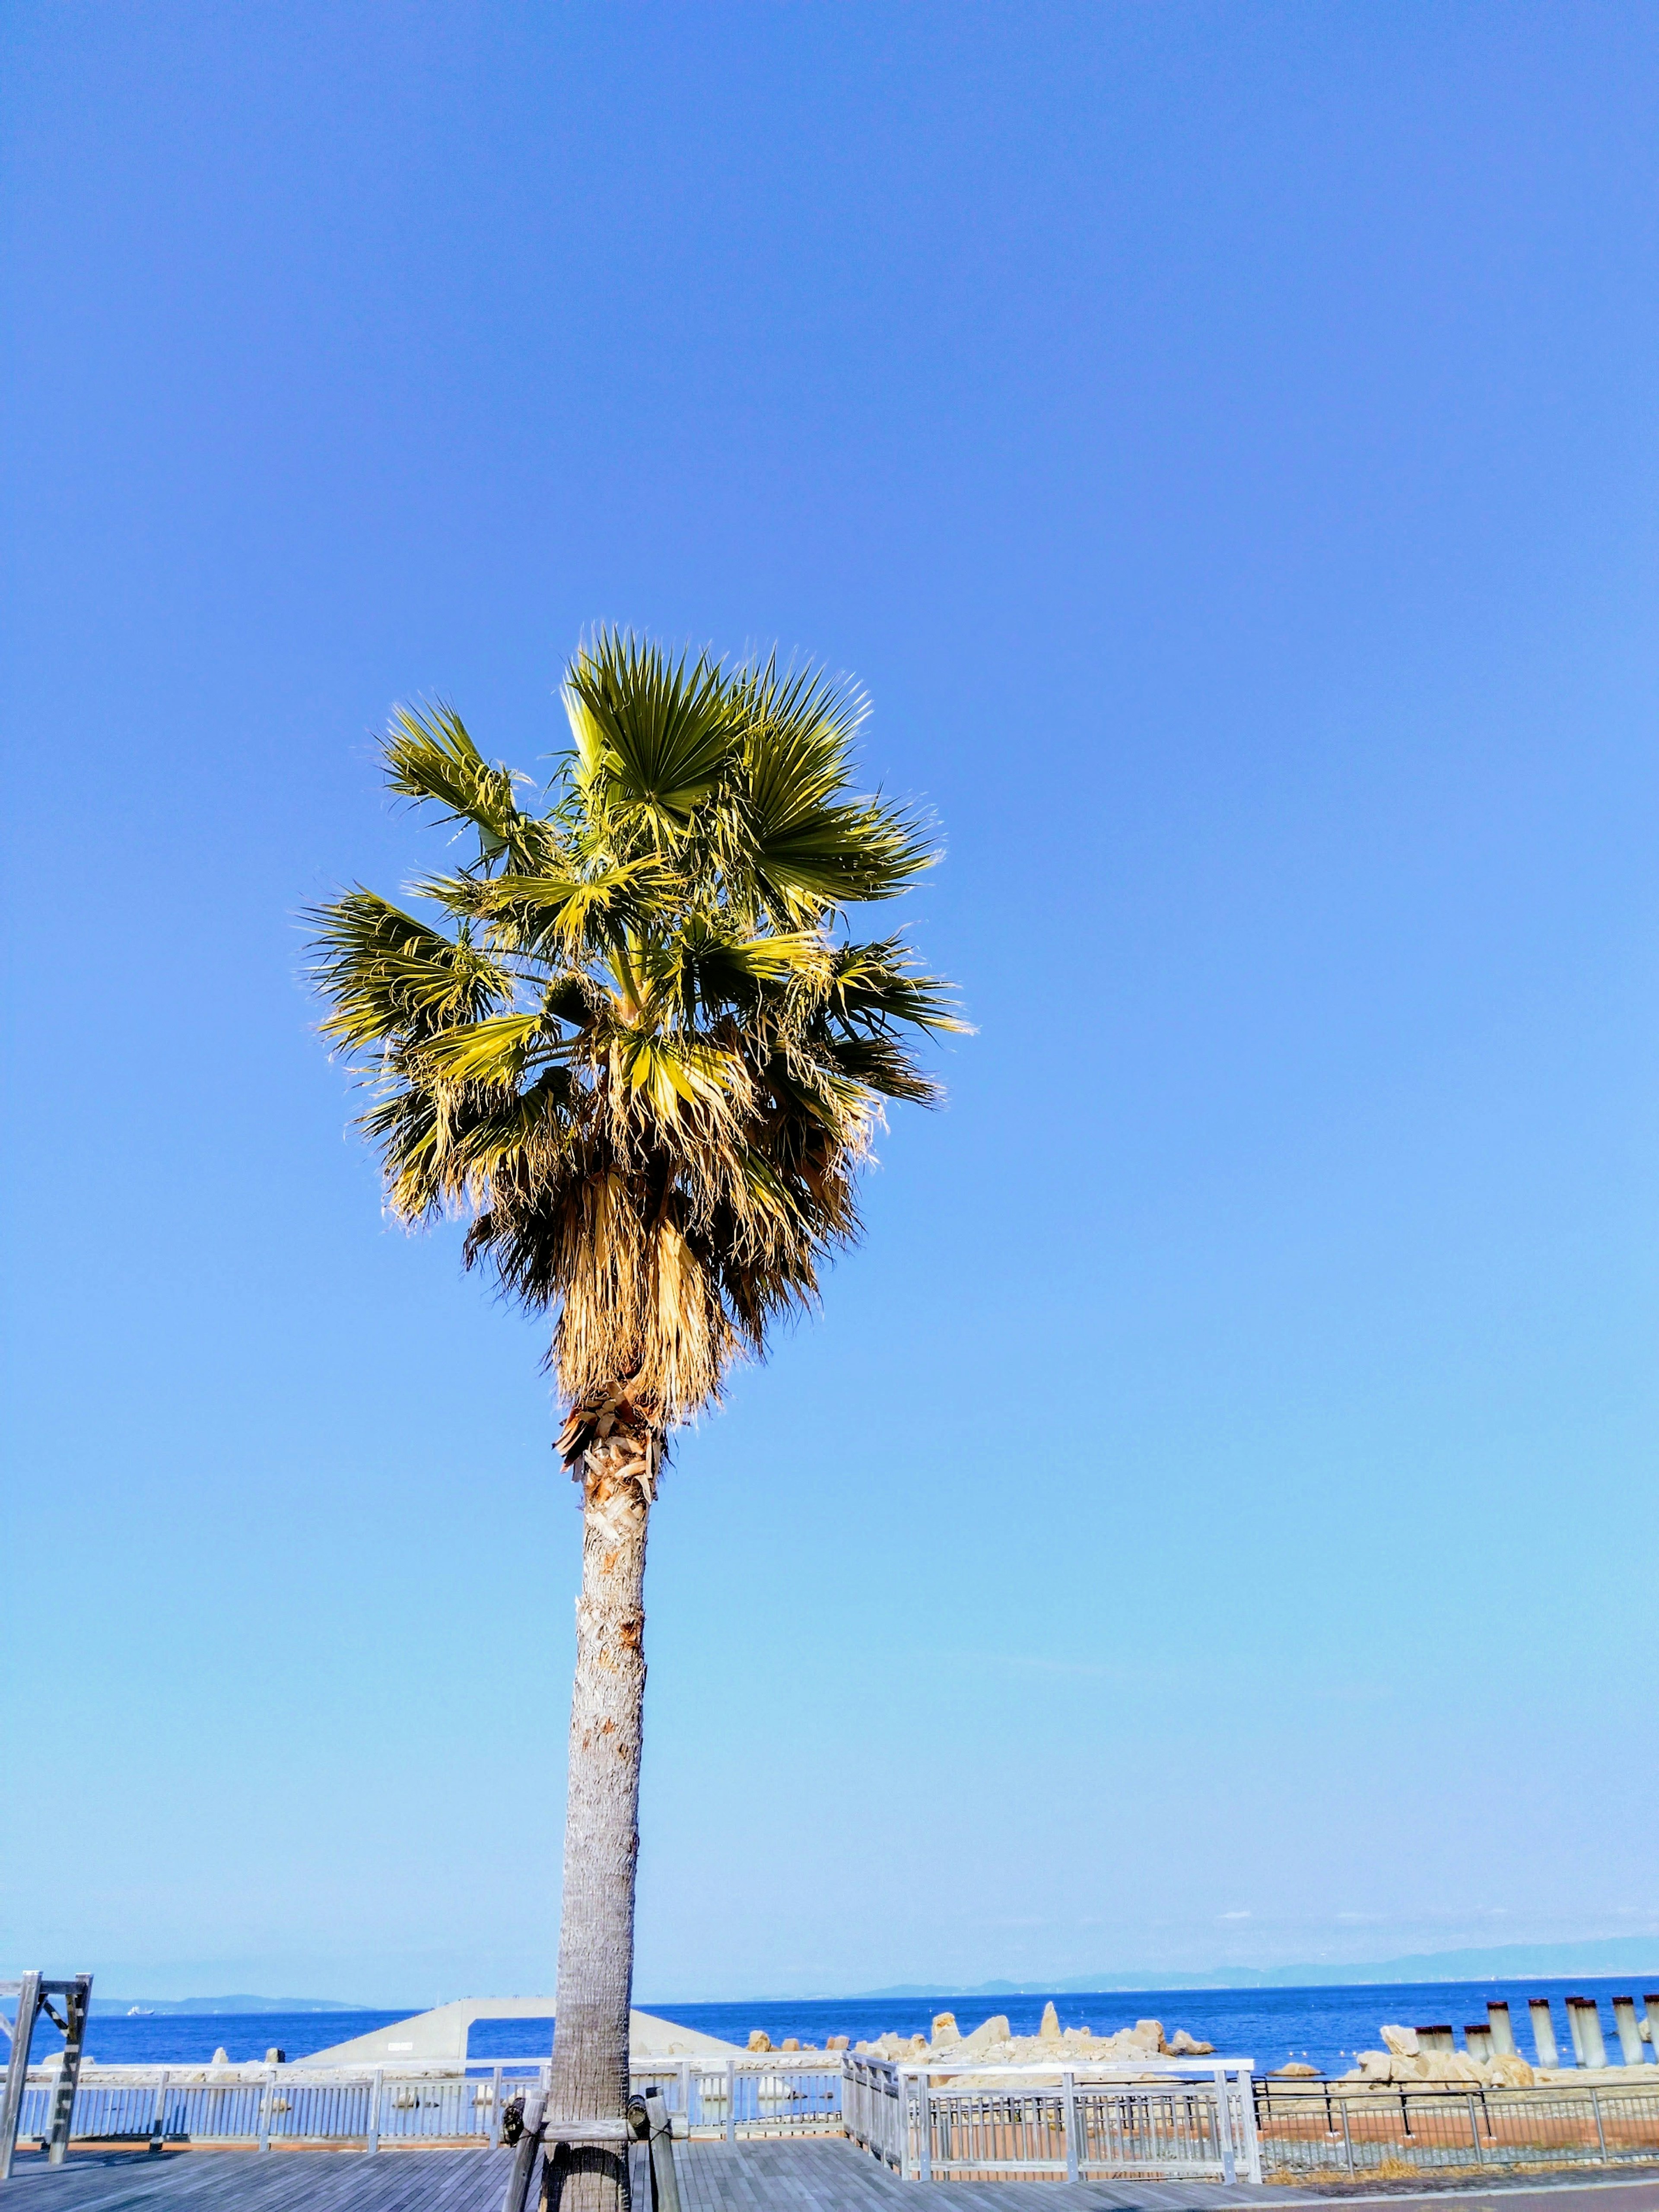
x=637, y=1048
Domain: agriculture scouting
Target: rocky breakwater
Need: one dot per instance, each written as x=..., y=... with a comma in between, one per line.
x=1054, y=2048
x=1402, y=2060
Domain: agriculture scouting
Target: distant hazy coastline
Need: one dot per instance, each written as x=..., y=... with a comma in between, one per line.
x=1634, y=1955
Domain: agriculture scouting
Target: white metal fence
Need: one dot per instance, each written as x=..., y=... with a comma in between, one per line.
x=1157, y=2120
x=773, y=2093
x=1197, y=2120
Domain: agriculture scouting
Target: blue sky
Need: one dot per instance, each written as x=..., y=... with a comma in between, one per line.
x=1214, y=1521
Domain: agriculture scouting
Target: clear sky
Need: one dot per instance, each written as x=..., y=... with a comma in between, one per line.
x=1215, y=1519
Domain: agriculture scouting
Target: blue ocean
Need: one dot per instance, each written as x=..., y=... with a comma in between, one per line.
x=1323, y=2026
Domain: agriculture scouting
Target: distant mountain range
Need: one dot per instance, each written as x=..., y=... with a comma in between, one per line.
x=1634, y=1955
x=1503, y=1962
x=225, y=2004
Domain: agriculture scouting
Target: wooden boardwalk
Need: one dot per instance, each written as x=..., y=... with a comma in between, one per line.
x=822, y=2176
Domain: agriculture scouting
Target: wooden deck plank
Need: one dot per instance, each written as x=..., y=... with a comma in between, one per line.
x=820, y=2175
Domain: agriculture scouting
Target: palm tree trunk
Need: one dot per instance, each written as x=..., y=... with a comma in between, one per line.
x=601, y=1838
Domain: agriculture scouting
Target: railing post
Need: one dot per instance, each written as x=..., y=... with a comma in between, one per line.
x=377, y=2078
x=924, y=2127
x=1247, y=2112
x=1068, y=2112
x=1474, y=2130
x=1347, y=2138
x=685, y=2095
x=1600, y=2132
x=1224, y=2127
x=496, y=2108
x=730, y=2101
x=29, y=2003
x=267, y=2096
x=905, y=2160
x=158, y=2118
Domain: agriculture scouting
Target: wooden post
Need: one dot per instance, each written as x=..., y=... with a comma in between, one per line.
x=1068, y=2114
x=664, y=2182
x=375, y=2081
x=730, y=2101
x=925, y=2126
x=495, y=2109
x=267, y=2096
x=524, y=2155
x=28, y=2004
x=77, y=1999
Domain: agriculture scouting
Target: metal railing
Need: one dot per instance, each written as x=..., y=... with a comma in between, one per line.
x=268, y=2107
x=1339, y=2129
x=1168, y=2120
x=1154, y=2120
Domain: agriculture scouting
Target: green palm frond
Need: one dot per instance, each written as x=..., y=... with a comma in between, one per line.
x=388, y=975
x=653, y=735
x=633, y=1050
x=430, y=757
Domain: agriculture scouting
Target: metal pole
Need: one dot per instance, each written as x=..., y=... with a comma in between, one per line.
x=1347, y=2139
x=77, y=1999
x=1475, y=2129
x=1068, y=2102
x=1600, y=2132
x=22, y=2035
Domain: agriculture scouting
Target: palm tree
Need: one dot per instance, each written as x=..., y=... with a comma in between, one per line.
x=637, y=1049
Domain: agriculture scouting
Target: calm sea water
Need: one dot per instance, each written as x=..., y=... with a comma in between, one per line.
x=1324, y=2027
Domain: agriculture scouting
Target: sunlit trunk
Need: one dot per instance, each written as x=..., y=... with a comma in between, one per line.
x=601, y=1842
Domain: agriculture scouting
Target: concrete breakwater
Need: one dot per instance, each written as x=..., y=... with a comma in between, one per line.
x=1490, y=2057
